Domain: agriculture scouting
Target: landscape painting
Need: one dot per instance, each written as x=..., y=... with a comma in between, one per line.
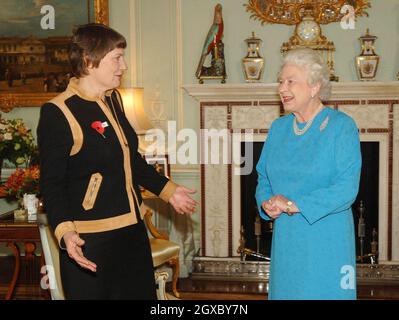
x=34, y=42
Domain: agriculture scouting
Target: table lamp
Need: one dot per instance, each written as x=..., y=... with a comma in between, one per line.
x=133, y=102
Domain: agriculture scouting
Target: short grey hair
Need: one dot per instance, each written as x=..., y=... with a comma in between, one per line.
x=317, y=69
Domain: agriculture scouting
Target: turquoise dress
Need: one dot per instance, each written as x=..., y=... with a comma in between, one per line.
x=313, y=252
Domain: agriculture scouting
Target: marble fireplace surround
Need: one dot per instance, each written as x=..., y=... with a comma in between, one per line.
x=242, y=107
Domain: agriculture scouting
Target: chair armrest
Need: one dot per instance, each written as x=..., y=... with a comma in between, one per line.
x=153, y=230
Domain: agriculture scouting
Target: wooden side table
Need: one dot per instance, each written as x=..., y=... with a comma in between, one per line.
x=12, y=232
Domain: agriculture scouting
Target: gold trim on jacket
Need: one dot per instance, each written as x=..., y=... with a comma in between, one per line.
x=63, y=228
x=77, y=132
x=92, y=191
x=100, y=225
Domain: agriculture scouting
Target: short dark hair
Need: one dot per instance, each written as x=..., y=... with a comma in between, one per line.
x=90, y=43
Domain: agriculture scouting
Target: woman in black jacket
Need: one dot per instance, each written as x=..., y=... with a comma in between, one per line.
x=90, y=177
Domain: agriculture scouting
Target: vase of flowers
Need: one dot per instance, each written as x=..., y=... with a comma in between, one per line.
x=22, y=182
x=16, y=142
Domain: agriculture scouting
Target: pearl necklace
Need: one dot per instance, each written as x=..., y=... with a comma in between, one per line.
x=300, y=132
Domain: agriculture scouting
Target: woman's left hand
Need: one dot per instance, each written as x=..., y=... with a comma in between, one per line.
x=282, y=203
x=182, y=202
x=271, y=209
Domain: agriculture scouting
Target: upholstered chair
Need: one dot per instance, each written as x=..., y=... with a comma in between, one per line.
x=164, y=251
x=51, y=257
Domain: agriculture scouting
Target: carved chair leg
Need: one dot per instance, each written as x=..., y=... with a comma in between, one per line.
x=160, y=278
x=174, y=263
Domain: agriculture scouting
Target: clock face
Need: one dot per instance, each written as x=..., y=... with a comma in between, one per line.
x=308, y=30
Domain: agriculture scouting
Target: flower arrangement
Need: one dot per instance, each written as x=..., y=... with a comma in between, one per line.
x=16, y=142
x=20, y=182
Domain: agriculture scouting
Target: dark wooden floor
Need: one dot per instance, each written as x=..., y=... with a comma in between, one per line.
x=29, y=286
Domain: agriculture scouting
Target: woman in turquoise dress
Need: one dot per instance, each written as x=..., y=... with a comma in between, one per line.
x=308, y=178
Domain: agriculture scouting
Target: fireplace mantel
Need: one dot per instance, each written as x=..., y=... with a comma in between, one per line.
x=268, y=91
x=237, y=107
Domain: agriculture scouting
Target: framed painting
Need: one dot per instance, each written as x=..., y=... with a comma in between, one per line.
x=34, y=40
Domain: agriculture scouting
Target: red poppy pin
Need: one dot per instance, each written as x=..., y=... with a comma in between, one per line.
x=99, y=127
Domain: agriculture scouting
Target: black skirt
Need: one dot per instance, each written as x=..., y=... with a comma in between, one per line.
x=124, y=266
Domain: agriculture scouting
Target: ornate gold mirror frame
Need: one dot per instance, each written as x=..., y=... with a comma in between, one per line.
x=8, y=101
x=291, y=11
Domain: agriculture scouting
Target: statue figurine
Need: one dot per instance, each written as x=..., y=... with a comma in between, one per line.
x=213, y=45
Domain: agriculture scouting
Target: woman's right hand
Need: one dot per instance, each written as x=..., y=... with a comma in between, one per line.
x=74, y=248
x=271, y=209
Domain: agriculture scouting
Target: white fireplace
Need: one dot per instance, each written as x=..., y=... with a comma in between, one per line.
x=252, y=108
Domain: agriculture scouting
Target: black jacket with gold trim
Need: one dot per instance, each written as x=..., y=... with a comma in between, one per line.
x=90, y=180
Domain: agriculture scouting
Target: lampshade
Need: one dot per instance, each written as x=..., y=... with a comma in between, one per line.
x=133, y=101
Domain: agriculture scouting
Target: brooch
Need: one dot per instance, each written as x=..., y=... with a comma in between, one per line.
x=324, y=124
x=100, y=127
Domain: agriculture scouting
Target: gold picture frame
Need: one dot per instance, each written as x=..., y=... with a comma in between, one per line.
x=291, y=12
x=10, y=100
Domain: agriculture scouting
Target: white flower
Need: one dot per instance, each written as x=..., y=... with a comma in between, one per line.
x=8, y=136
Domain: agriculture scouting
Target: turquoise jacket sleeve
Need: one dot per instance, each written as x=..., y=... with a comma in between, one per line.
x=263, y=189
x=341, y=194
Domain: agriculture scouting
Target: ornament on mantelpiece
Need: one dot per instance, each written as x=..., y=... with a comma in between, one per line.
x=308, y=34
x=214, y=46
x=367, y=62
x=253, y=64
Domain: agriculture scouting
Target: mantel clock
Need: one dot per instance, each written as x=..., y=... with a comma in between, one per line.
x=307, y=16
